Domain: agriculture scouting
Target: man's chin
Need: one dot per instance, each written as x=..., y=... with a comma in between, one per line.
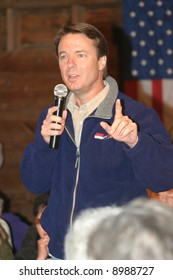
x=73, y=87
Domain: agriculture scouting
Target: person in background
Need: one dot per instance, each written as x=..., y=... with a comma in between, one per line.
x=6, y=252
x=111, y=147
x=18, y=226
x=7, y=230
x=34, y=244
x=43, y=241
x=166, y=197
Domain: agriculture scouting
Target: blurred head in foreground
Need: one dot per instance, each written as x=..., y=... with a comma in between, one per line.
x=139, y=230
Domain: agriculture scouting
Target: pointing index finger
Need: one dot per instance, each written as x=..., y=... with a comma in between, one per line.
x=118, y=108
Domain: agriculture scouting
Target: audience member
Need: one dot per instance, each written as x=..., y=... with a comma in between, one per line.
x=142, y=230
x=43, y=241
x=6, y=228
x=139, y=230
x=76, y=240
x=166, y=196
x=5, y=248
x=35, y=238
x=18, y=226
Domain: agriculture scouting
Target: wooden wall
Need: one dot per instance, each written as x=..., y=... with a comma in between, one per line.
x=29, y=72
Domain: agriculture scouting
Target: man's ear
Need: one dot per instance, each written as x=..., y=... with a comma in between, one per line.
x=102, y=62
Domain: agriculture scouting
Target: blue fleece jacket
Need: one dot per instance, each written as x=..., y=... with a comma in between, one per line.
x=103, y=171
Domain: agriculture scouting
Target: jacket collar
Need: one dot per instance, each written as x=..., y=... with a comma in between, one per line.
x=105, y=108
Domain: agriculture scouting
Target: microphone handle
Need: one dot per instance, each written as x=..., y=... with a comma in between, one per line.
x=54, y=140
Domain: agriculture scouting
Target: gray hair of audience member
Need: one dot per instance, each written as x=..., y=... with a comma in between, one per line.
x=76, y=239
x=143, y=230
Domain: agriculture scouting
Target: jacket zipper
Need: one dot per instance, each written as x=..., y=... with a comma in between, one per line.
x=77, y=166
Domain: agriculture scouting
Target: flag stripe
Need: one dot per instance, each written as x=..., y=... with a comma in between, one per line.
x=157, y=97
x=131, y=88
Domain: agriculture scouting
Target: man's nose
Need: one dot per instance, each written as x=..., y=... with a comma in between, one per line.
x=71, y=61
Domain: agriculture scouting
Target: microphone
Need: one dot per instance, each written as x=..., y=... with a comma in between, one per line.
x=60, y=92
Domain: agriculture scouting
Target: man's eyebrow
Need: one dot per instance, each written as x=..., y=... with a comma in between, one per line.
x=61, y=52
x=81, y=51
x=77, y=51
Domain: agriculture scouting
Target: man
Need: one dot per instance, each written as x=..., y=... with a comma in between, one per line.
x=108, y=153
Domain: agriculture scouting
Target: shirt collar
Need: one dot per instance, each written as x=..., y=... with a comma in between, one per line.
x=92, y=104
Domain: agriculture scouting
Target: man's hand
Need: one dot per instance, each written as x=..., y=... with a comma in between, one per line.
x=53, y=125
x=123, y=128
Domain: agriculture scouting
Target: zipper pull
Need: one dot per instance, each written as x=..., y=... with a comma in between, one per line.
x=77, y=158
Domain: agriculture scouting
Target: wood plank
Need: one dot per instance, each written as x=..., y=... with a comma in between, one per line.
x=21, y=4
x=36, y=60
x=3, y=42
x=39, y=28
x=34, y=83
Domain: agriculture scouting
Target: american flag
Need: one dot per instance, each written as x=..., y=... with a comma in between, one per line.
x=148, y=26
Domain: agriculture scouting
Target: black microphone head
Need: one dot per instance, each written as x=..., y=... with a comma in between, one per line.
x=60, y=90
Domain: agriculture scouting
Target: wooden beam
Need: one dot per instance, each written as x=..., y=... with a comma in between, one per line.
x=10, y=29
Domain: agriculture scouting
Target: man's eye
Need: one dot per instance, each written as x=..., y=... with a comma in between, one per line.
x=62, y=57
x=81, y=54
